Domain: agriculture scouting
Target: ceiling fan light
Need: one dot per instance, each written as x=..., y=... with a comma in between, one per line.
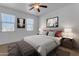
x=36, y=6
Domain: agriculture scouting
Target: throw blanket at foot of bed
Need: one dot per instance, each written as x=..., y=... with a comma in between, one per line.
x=21, y=48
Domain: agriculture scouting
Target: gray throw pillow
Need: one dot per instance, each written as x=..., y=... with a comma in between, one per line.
x=51, y=34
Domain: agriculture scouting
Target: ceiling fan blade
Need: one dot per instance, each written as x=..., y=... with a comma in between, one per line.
x=38, y=10
x=43, y=6
x=31, y=4
x=31, y=8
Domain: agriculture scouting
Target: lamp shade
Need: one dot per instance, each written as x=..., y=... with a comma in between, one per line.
x=67, y=33
x=67, y=30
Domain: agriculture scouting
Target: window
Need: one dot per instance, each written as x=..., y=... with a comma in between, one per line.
x=29, y=23
x=7, y=22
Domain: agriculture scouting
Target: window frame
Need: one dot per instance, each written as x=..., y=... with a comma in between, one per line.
x=32, y=24
x=8, y=22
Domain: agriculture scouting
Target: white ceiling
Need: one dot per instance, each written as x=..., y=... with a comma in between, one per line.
x=24, y=7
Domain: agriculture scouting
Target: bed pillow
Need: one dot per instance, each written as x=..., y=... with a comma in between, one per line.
x=43, y=33
x=58, y=34
x=51, y=34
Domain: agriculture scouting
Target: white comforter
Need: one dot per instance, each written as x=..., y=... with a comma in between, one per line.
x=42, y=43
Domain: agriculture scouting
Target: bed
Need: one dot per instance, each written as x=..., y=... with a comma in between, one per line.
x=35, y=45
x=42, y=43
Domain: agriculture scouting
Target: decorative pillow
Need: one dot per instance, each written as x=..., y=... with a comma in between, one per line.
x=58, y=34
x=51, y=33
x=43, y=33
x=47, y=33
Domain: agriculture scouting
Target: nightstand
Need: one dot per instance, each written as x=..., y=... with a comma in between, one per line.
x=67, y=48
x=67, y=42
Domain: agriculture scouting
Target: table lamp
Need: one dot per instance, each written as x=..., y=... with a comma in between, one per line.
x=67, y=33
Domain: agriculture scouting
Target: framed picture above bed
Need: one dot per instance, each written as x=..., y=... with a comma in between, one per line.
x=20, y=23
x=52, y=22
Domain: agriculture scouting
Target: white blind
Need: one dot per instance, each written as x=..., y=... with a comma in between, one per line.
x=29, y=24
x=8, y=22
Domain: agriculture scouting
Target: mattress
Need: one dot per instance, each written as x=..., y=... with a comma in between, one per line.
x=42, y=43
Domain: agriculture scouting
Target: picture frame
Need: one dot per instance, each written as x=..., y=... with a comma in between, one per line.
x=20, y=23
x=52, y=22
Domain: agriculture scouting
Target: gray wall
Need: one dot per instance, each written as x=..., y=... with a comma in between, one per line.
x=68, y=17
x=18, y=34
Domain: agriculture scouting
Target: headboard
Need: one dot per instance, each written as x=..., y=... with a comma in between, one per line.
x=54, y=30
x=58, y=32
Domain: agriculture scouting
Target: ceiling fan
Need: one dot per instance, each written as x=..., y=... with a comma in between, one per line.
x=37, y=6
